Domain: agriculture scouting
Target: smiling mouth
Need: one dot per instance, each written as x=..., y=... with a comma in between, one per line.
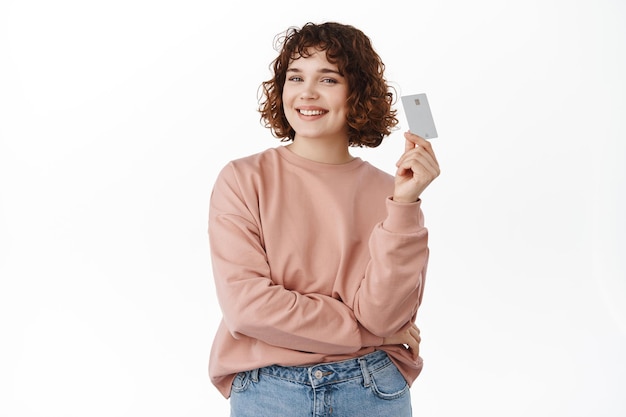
x=311, y=112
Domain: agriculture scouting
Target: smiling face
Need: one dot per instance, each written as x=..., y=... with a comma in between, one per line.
x=314, y=99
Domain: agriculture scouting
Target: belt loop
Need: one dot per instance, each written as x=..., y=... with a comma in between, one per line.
x=254, y=375
x=366, y=374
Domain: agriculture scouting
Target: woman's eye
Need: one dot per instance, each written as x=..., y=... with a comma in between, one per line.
x=329, y=81
x=294, y=78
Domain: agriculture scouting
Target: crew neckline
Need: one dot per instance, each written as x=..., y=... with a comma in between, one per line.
x=303, y=162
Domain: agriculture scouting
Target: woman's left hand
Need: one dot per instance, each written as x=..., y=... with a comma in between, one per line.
x=417, y=168
x=410, y=338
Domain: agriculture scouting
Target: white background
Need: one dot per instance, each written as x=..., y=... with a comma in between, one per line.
x=116, y=116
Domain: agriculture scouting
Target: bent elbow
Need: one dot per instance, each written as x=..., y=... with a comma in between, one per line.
x=382, y=325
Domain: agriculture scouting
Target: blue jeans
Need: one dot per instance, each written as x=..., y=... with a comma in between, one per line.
x=367, y=386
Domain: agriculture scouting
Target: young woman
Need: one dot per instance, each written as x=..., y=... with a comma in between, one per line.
x=319, y=258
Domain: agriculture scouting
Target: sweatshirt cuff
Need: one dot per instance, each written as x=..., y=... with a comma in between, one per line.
x=403, y=217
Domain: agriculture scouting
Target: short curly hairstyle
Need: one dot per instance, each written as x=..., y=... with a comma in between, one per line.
x=370, y=115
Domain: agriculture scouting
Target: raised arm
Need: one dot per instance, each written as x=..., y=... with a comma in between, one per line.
x=391, y=292
x=392, y=289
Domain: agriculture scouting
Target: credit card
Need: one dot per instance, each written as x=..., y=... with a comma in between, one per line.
x=419, y=116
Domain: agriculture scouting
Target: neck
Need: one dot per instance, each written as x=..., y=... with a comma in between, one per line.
x=319, y=150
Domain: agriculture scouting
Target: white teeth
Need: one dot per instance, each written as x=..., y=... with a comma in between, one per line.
x=311, y=112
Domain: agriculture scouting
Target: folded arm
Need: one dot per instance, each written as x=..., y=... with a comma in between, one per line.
x=253, y=304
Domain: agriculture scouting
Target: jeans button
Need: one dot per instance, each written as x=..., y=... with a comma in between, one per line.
x=318, y=374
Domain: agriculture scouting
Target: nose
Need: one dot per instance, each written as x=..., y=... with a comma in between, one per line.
x=308, y=91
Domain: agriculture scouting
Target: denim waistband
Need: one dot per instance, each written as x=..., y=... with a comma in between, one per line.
x=328, y=373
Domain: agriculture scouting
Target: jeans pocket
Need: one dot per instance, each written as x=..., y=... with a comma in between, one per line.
x=241, y=382
x=388, y=383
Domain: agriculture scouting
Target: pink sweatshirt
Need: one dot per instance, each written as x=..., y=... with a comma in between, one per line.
x=312, y=263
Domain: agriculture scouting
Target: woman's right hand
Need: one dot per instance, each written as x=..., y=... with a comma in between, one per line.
x=410, y=338
x=417, y=168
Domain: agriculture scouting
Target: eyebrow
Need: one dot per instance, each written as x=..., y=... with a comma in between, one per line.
x=321, y=71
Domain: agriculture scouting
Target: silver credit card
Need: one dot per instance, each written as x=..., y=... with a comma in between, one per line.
x=419, y=116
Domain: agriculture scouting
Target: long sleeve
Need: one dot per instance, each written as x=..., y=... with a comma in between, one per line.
x=253, y=305
x=392, y=289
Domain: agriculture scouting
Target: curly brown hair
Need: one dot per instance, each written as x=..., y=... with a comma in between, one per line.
x=370, y=116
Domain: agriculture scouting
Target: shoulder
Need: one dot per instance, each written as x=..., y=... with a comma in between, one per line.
x=244, y=175
x=257, y=160
x=247, y=166
x=377, y=172
x=377, y=175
